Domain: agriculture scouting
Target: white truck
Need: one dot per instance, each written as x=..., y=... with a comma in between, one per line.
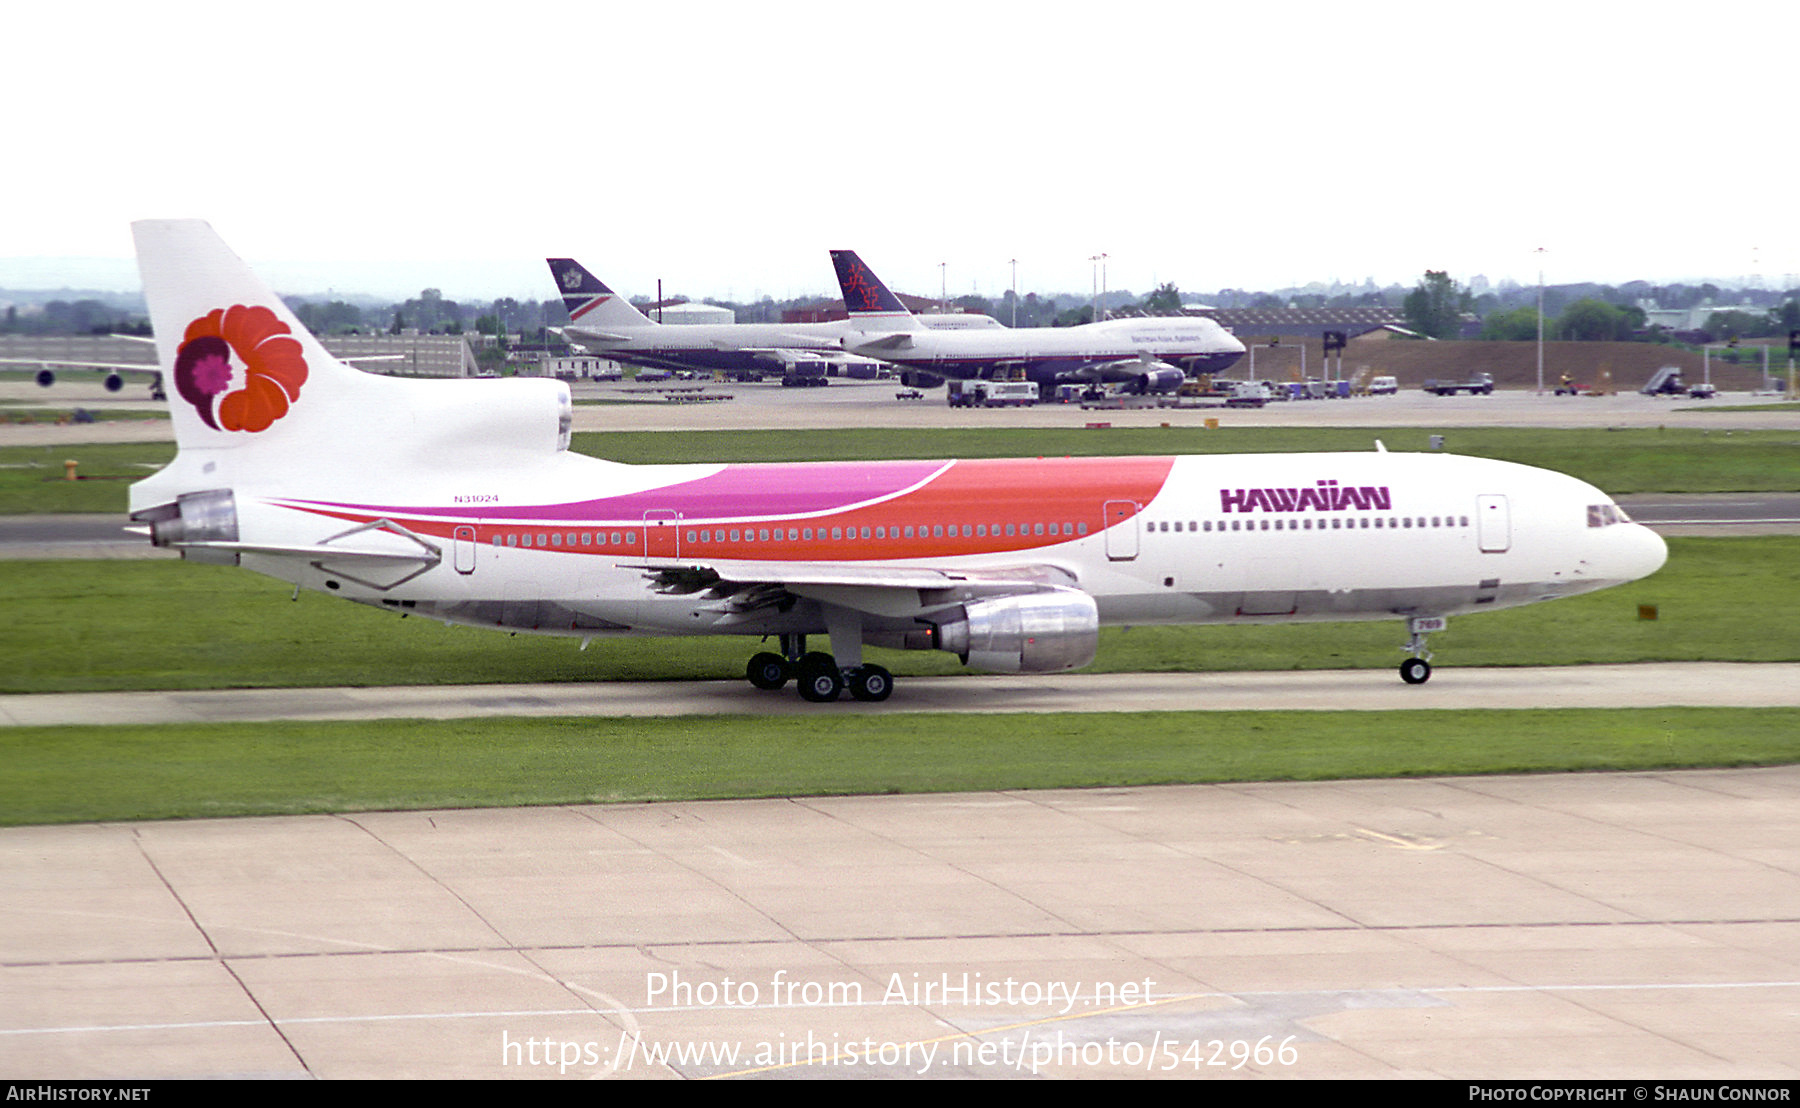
x=992, y=394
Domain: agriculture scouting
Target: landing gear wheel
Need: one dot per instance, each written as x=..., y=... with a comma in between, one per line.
x=768, y=671
x=1415, y=671
x=871, y=683
x=818, y=678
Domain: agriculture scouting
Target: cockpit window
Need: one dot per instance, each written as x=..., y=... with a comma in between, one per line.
x=1605, y=515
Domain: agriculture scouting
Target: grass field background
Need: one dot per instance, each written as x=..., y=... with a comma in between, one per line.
x=1618, y=461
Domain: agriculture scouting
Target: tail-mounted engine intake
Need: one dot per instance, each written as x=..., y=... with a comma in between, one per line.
x=1039, y=632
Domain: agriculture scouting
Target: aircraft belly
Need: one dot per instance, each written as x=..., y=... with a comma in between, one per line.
x=1286, y=605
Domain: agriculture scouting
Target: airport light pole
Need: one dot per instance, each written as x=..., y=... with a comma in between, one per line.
x=1094, y=273
x=943, y=287
x=1540, y=320
x=1099, y=263
x=1015, y=298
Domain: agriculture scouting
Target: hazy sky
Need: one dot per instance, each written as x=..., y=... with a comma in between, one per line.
x=726, y=147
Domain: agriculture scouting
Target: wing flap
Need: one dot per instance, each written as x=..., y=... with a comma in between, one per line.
x=789, y=574
x=738, y=588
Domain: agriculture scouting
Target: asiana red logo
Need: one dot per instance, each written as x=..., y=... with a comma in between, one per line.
x=246, y=346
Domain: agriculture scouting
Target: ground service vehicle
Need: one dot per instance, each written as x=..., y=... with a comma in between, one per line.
x=1478, y=384
x=992, y=394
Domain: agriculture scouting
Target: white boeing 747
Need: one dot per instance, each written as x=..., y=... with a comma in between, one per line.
x=1147, y=355
x=605, y=323
x=460, y=500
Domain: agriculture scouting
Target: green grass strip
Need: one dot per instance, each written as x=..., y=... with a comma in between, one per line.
x=66, y=774
x=94, y=626
x=1620, y=461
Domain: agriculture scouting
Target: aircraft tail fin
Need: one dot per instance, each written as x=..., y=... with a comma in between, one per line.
x=257, y=401
x=590, y=303
x=242, y=366
x=866, y=298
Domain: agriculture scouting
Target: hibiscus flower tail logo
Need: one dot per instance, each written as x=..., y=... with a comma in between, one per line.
x=243, y=346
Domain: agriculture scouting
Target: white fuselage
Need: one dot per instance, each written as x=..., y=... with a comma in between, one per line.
x=583, y=547
x=461, y=500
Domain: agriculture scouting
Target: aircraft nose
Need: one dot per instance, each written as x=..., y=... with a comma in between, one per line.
x=1636, y=552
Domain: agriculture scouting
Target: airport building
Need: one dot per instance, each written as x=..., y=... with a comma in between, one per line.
x=1263, y=324
x=406, y=355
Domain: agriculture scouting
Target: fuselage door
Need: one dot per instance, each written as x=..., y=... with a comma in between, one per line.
x=462, y=554
x=662, y=533
x=1121, y=530
x=1493, y=523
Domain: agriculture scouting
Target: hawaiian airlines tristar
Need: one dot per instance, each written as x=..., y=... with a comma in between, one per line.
x=460, y=500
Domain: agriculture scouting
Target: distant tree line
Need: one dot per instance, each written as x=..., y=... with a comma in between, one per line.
x=73, y=317
x=1436, y=306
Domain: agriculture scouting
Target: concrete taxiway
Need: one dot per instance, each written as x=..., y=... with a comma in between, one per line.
x=1693, y=684
x=1642, y=925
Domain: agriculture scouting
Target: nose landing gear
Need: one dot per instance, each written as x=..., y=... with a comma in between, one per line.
x=1416, y=670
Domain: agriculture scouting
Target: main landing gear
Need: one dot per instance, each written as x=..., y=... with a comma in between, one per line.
x=817, y=675
x=1416, y=670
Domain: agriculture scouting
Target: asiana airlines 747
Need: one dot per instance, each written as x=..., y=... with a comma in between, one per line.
x=461, y=501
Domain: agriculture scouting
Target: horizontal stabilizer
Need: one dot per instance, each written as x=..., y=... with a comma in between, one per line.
x=588, y=334
x=335, y=553
x=898, y=341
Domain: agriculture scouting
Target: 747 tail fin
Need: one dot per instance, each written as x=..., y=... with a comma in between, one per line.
x=592, y=306
x=868, y=300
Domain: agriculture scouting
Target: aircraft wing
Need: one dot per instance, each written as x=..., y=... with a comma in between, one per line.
x=901, y=591
x=789, y=342
x=588, y=334
x=115, y=371
x=116, y=367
